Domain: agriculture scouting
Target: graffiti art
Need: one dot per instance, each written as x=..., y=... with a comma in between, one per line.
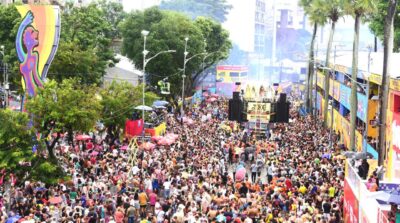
x=36, y=43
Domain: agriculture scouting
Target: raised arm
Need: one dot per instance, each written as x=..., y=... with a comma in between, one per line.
x=18, y=42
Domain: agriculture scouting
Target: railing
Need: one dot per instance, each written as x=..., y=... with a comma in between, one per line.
x=368, y=207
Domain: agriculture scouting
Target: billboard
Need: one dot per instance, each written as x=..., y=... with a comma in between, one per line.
x=36, y=43
x=350, y=204
x=232, y=74
x=259, y=111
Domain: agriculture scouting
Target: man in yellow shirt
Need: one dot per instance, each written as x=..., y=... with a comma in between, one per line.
x=143, y=203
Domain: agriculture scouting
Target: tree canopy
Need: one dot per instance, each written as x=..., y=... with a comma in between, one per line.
x=168, y=31
x=85, y=46
x=118, y=100
x=377, y=23
x=9, y=23
x=63, y=107
x=17, y=140
x=215, y=9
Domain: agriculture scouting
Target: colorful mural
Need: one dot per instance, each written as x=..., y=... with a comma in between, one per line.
x=36, y=43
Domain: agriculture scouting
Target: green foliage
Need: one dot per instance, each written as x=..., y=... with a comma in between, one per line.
x=66, y=106
x=313, y=9
x=16, y=156
x=85, y=46
x=215, y=9
x=16, y=139
x=377, y=23
x=168, y=30
x=118, y=101
x=9, y=23
x=359, y=7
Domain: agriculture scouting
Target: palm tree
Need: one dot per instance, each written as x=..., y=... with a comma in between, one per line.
x=358, y=9
x=333, y=10
x=387, y=51
x=316, y=17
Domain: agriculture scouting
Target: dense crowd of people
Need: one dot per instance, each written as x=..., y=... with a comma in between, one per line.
x=291, y=176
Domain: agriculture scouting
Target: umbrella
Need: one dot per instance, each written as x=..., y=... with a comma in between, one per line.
x=83, y=137
x=363, y=155
x=13, y=219
x=240, y=174
x=159, y=107
x=55, y=200
x=160, y=103
x=389, y=197
x=349, y=154
x=143, y=107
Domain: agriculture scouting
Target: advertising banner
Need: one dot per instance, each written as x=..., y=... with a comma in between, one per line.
x=336, y=90
x=331, y=87
x=362, y=101
x=362, y=104
x=320, y=79
x=350, y=205
x=259, y=111
x=345, y=93
x=232, y=74
x=396, y=132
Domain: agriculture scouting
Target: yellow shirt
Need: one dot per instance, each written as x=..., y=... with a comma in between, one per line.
x=142, y=198
x=302, y=189
x=331, y=191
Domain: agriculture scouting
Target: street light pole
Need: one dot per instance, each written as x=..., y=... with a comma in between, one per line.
x=184, y=76
x=145, y=52
x=145, y=33
x=5, y=77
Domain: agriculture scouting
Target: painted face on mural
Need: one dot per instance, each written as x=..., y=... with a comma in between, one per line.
x=31, y=38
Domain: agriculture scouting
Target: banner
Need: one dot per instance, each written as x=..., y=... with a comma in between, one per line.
x=345, y=94
x=362, y=104
x=336, y=90
x=350, y=204
x=320, y=79
x=259, y=111
x=133, y=127
x=232, y=74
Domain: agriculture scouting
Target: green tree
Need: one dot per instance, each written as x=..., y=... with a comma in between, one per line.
x=168, y=30
x=317, y=18
x=333, y=10
x=359, y=9
x=215, y=9
x=118, y=101
x=9, y=23
x=387, y=53
x=85, y=43
x=17, y=140
x=63, y=107
x=377, y=23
